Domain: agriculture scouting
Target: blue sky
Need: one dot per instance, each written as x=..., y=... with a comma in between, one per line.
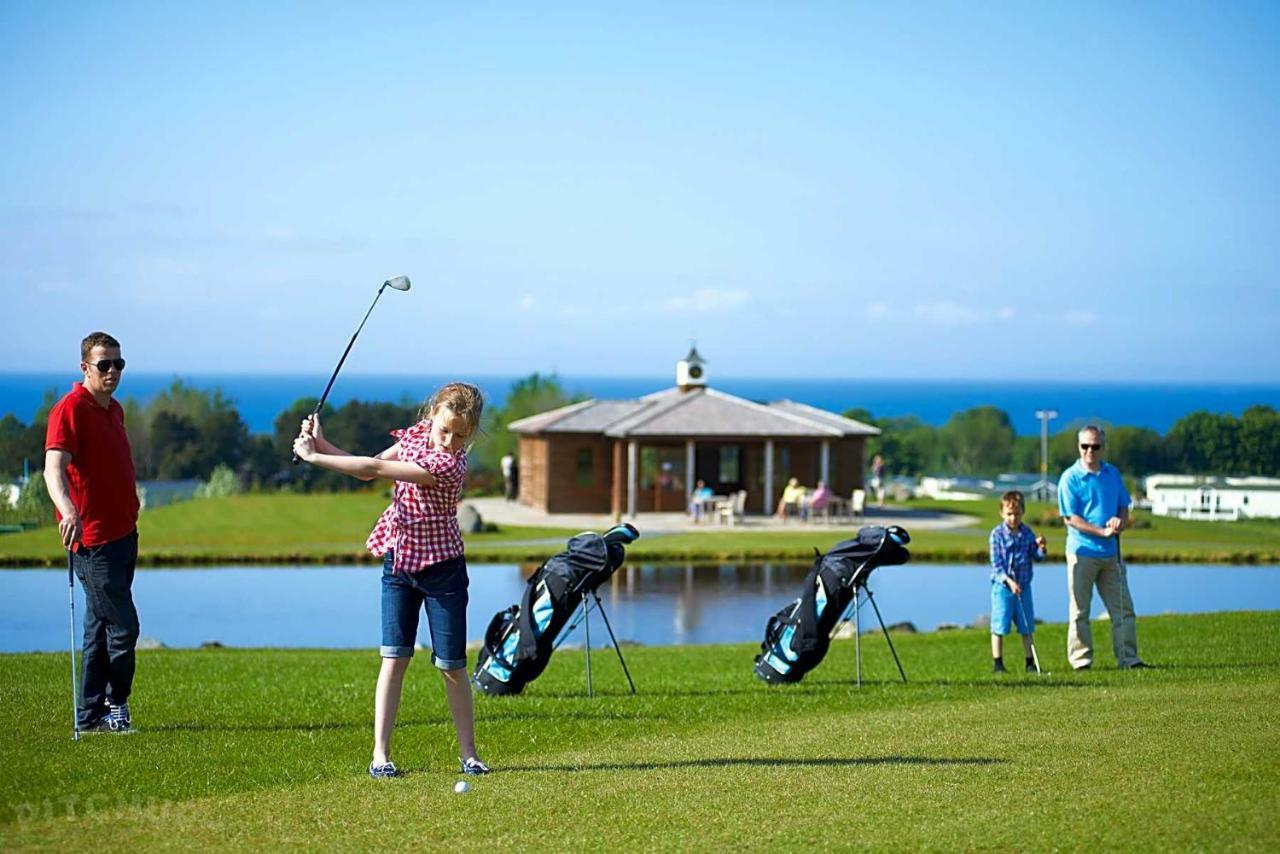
x=1035, y=190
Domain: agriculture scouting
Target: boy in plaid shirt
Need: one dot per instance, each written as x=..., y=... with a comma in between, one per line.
x=1014, y=547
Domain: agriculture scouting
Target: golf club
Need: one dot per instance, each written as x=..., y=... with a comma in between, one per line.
x=1034, y=656
x=1031, y=629
x=399, y=283
x=71, y=602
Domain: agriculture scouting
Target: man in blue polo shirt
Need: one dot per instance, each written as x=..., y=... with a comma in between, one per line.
x=1095, y=507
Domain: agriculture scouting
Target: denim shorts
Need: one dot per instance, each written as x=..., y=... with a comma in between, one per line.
x=442, y=589
x=1005, y=611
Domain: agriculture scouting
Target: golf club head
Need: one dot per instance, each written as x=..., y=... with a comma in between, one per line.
x=400, y=283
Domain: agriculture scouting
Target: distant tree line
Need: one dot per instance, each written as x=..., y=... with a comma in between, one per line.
x=189, y=433
x=982, y=442
x=186, y=433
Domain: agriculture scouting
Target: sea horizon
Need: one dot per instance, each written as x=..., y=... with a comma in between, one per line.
x=1156, y=405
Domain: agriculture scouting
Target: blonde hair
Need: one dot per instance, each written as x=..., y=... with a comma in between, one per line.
x=1013, y=498
x=463, y=400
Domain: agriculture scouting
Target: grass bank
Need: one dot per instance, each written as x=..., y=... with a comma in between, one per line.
x=331, y=528
x=264, y=528
x=266, y=748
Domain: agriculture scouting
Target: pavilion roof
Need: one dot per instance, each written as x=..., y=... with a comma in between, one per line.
x=693, y=413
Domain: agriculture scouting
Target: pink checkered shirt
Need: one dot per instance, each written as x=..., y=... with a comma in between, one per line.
x=422, y=522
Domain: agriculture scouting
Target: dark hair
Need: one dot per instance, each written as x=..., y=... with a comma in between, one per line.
x=96, y=339
x=1013, y=498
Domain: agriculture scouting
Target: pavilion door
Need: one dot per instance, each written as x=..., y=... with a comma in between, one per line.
x=721, y=467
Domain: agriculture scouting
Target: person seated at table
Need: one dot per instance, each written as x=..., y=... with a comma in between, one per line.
x=698, y=501
x=818, y=501
x=792, y=502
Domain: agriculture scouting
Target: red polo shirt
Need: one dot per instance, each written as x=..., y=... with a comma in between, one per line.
x=101, y=473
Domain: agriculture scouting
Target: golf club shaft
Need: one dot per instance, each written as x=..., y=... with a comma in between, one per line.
x=71, y=602
x=350, y=343
x=1035, y=658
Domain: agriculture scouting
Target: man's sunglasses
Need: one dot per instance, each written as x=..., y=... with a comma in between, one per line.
x=106, y=364
x=1085, y=446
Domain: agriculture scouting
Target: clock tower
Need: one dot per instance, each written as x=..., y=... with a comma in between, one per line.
x=691, y=371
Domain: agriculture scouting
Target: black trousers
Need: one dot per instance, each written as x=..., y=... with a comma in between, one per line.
x=110, y=624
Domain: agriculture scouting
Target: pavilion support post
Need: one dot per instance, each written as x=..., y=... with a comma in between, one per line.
x=688, y=472
x=633, y=473
x=824, y=463
x=615, y=489
x=768, y=477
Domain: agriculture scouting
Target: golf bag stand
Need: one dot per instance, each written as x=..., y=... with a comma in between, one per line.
x=584, y=617
x=858, y=592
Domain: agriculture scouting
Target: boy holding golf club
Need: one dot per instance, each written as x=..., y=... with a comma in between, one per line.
x=423, y=562
x=1014, y=548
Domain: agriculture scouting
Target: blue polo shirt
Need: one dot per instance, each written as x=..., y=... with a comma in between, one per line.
x=1094, y=497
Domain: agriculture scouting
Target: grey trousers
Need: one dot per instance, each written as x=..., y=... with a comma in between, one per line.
x=1108, y=575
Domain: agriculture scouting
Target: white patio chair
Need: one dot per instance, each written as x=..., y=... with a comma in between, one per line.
x=732, y=509
x=857, y=503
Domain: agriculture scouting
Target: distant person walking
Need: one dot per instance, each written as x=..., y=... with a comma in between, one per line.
x=508, y=465
x=877, y=478
x=423, y=566
x=1095, y=507
x=88, y=469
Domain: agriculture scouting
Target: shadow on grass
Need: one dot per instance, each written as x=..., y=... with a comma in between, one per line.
x=767, y=762
x=331, y=726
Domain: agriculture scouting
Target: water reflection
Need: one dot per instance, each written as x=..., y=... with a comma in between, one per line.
x=649, y=604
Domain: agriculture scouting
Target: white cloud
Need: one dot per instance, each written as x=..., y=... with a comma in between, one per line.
x=947, y=313
x=942, y=313
x=1080, y=318
x=708, y=300
x=526, y=302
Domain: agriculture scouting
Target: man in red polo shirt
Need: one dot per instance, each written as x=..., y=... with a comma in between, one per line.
x=88, y=468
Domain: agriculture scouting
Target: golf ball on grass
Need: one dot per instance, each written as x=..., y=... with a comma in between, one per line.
x=462, y=787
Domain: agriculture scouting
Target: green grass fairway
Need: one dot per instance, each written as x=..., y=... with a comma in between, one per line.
x=250, y=748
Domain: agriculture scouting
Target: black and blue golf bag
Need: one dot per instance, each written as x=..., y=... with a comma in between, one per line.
x=796, y=638
x=519, y=641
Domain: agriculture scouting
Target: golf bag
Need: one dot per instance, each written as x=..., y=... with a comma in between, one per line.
x=796, y=638
x=519, y=641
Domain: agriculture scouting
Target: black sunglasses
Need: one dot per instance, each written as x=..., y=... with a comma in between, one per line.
x=106, y=364
x=1085, y=446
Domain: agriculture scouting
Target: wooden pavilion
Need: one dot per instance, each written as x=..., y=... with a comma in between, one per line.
x=645, y=455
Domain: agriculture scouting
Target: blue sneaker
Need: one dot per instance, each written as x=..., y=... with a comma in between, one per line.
x=473, y=767
x=118, y=719
x=383, y=770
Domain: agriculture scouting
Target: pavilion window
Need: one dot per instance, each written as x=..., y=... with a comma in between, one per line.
x=730, y=465
x=585, y=467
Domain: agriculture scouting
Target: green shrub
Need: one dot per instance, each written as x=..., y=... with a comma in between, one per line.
x=221, y=483
x=34, y=503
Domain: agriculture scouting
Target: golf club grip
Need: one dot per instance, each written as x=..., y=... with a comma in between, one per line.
x=314, y=413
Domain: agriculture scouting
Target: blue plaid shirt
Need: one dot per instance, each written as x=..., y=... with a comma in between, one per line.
x=1012, y=554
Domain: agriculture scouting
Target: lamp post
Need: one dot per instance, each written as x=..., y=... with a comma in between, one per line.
x=1045, y=416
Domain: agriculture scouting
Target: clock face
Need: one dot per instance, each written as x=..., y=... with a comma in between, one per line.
x=695, y=372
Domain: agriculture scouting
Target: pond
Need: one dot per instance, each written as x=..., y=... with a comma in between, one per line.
x=337, y=607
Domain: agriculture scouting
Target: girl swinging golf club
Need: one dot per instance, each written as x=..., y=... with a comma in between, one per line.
x=423, y=562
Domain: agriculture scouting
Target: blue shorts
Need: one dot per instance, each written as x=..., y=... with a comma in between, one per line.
x=1005, y=611
x=442, y=589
